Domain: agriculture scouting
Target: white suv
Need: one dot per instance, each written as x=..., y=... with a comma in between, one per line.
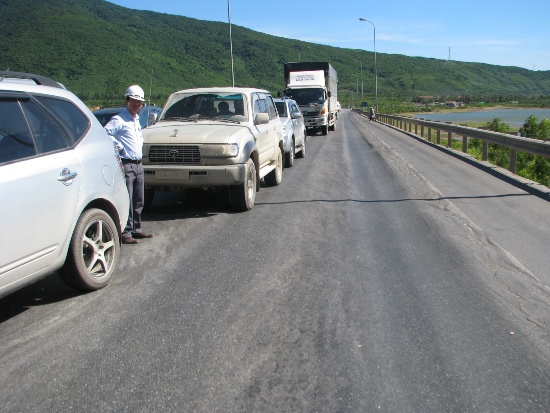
x=64, y=199
x=215, y=137
x=294, y=129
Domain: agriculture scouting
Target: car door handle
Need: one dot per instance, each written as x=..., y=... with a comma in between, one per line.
x=66, y=176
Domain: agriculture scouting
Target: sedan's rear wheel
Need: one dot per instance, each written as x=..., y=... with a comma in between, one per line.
x=289, y=156
x=302, y=153
x=93, y=252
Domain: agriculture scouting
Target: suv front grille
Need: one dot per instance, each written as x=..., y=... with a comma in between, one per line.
x=175, y=154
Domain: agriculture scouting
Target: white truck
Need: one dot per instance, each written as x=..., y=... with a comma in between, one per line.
x=314, y=86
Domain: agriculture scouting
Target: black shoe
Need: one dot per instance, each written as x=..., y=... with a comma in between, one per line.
x=139, y=235
x=129, y=240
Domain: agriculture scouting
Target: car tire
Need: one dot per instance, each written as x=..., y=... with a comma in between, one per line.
x=289, y=156
x=324, y=130
x=93, y=252
x=275, y=177
x=302, y=153
x=242, y=197
x=149, y=196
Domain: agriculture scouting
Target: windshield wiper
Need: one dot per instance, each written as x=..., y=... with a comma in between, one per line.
x=180, y=119
x=228, y=120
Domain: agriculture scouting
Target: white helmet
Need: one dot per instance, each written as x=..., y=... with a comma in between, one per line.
x=135, y=92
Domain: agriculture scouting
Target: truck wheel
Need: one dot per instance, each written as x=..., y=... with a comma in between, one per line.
x=242, y=197
x=324, y=129
x=302, y=153
x=149, y=195
x=93, y=252
x=289, y=156
x=333, y=127
x=275, y=177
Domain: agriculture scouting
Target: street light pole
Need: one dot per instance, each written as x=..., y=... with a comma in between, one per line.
x=361, y=78
x=357, y=87
x=375, y=69
x=230, y=43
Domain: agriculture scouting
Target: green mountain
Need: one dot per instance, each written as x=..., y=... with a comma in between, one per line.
x=97, y=49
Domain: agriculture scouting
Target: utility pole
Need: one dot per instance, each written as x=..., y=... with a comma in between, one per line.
x=230, y=43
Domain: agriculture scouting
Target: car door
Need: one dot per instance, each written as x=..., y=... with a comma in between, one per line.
x=264, y=137
x=298, y=123
x=276, y=128
x=39, y=189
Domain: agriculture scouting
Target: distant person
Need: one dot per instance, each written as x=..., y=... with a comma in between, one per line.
x=223, y=108
x=372, y=114
x=125, y=130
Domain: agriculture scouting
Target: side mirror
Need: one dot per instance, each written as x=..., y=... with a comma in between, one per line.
x=152, y=118
x=297, y=116
x=261, y=119
x=329, y=93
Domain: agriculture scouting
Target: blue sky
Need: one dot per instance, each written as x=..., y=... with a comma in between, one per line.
x=506, y=33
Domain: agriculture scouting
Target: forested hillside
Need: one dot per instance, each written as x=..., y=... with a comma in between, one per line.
x=97, y=48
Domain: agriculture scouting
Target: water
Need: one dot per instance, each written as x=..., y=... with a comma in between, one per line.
x=515, y=118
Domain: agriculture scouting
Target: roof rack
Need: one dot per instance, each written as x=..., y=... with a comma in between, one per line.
x=38, y=79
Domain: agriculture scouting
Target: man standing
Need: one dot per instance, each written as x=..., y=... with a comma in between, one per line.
x=125, y=130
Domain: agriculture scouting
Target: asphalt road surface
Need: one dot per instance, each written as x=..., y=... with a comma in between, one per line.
x=382, y=275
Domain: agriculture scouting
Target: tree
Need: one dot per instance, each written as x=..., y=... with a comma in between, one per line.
x=497, y=125
x=530, y=127
x=544, y=129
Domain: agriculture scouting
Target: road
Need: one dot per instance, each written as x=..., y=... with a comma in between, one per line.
x=380, y=276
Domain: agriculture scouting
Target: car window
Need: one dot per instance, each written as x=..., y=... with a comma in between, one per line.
x=74, y=120
x=263, y=103
x=259, y=104
x=15, y=136
x=270, y=107
x=281, y=108
x=48, y=135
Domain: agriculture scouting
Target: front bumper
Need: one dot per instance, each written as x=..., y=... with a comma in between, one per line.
x=315, y=122
x=159, y=176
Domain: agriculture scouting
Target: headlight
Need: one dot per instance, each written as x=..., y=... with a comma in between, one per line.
x=219, y=150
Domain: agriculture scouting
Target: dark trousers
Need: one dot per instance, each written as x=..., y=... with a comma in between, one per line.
x=135, y=185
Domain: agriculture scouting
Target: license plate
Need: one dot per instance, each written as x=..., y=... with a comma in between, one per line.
x=177, y=175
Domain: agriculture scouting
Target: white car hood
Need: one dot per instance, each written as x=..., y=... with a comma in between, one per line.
x=192, y=132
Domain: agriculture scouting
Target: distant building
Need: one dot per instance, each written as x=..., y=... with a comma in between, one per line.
x=454, y=104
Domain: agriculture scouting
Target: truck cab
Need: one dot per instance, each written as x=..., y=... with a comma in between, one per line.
x=313, y=85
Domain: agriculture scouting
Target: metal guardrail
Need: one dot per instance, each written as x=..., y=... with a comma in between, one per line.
x=515, y=143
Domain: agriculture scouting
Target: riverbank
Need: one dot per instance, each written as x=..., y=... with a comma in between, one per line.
x=477, y=117
x=466, y=109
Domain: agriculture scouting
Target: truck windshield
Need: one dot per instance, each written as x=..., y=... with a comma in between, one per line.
x=306, y=96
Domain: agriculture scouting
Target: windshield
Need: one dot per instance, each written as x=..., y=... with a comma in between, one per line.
x=206, y=106
x=306, y=96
